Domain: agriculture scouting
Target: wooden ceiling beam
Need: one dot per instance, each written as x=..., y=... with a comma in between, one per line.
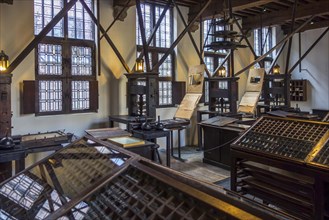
x=217, y=7
x=6, y=1
x=280, y=17
x=315, y=25
x=238, y=5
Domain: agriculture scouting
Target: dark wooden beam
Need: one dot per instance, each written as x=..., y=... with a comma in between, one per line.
x=280, y=17
x=108, y=39
x=217, y=7
x=308, y=51
x=276, y=58
x=156, y=27
x=192, y=39
x=37, y=39
x=238, y=5
x=287, y=75
x=117, y=17
x=6, y=1
x=142, y=29
x=311, y=26
x=273, y=48
x=174, y=44
x=124, y=3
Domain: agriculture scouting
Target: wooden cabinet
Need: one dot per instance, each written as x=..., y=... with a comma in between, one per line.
x=217, y=142
x=298, y=90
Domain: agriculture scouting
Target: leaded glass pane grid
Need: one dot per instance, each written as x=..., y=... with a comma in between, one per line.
x=165, y=70
x=80, y=25
x=165, y=93
x=80, y=95
x=146, y=13
x=163, y=35
x=44, y=12
x=81, y=61
x=49, y=59
x=209, y=62
x=50, y=96
x=262, y=44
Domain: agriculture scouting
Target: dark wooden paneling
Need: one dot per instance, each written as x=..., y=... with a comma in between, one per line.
x=94, y=95
x=179, y=90
x=28, y=97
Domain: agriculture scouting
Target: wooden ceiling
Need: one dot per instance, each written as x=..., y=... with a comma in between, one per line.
x=261, y=13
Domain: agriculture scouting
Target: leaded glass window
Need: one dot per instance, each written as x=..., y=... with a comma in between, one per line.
x=263, y=42
x=80, y=95
x=50, y=96
x=66, y=65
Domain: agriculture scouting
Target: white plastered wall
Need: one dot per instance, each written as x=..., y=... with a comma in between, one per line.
x=314, y=68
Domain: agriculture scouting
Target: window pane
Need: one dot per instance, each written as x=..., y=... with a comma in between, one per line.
x=206, y=91
x=165, y=93
x=263, y=43
x=50, y=96
x=49, y=59
x=80, y=25
x=80, y=95
x=163, y=35
x=209, y=61
x=146, y=13
x=44, y=12
x=81, y=61
x=165, y=70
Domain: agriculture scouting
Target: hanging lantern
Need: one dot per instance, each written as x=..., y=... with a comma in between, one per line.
x=221, y=71
x=4, y=61
x=276, y=69
x=139, y=65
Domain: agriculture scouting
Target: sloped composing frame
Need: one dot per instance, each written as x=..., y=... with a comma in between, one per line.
x=91, y=179
x=291, y=139
x=49, y=185
x=322, y=157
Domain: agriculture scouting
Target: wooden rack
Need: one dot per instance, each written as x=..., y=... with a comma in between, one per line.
x=298, y=90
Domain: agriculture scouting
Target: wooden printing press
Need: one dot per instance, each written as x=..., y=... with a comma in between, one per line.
x=93, y=179
x=284, y=163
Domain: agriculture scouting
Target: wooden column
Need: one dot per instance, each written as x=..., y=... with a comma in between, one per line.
x=5, y=119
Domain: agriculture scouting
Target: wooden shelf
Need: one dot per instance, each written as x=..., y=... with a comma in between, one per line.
x=298, y=90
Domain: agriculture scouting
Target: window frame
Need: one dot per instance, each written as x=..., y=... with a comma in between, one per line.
x=66, y=77
x=268, y=44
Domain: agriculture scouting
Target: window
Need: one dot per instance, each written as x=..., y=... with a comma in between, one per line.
x=212, y=59
x=65, y=60
x=158, y=47
x=263, y=42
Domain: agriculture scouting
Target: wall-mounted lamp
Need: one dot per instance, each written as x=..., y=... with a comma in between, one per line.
x=139, y=67
x=221, y=71
x=276, y=69
x=4, y=61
